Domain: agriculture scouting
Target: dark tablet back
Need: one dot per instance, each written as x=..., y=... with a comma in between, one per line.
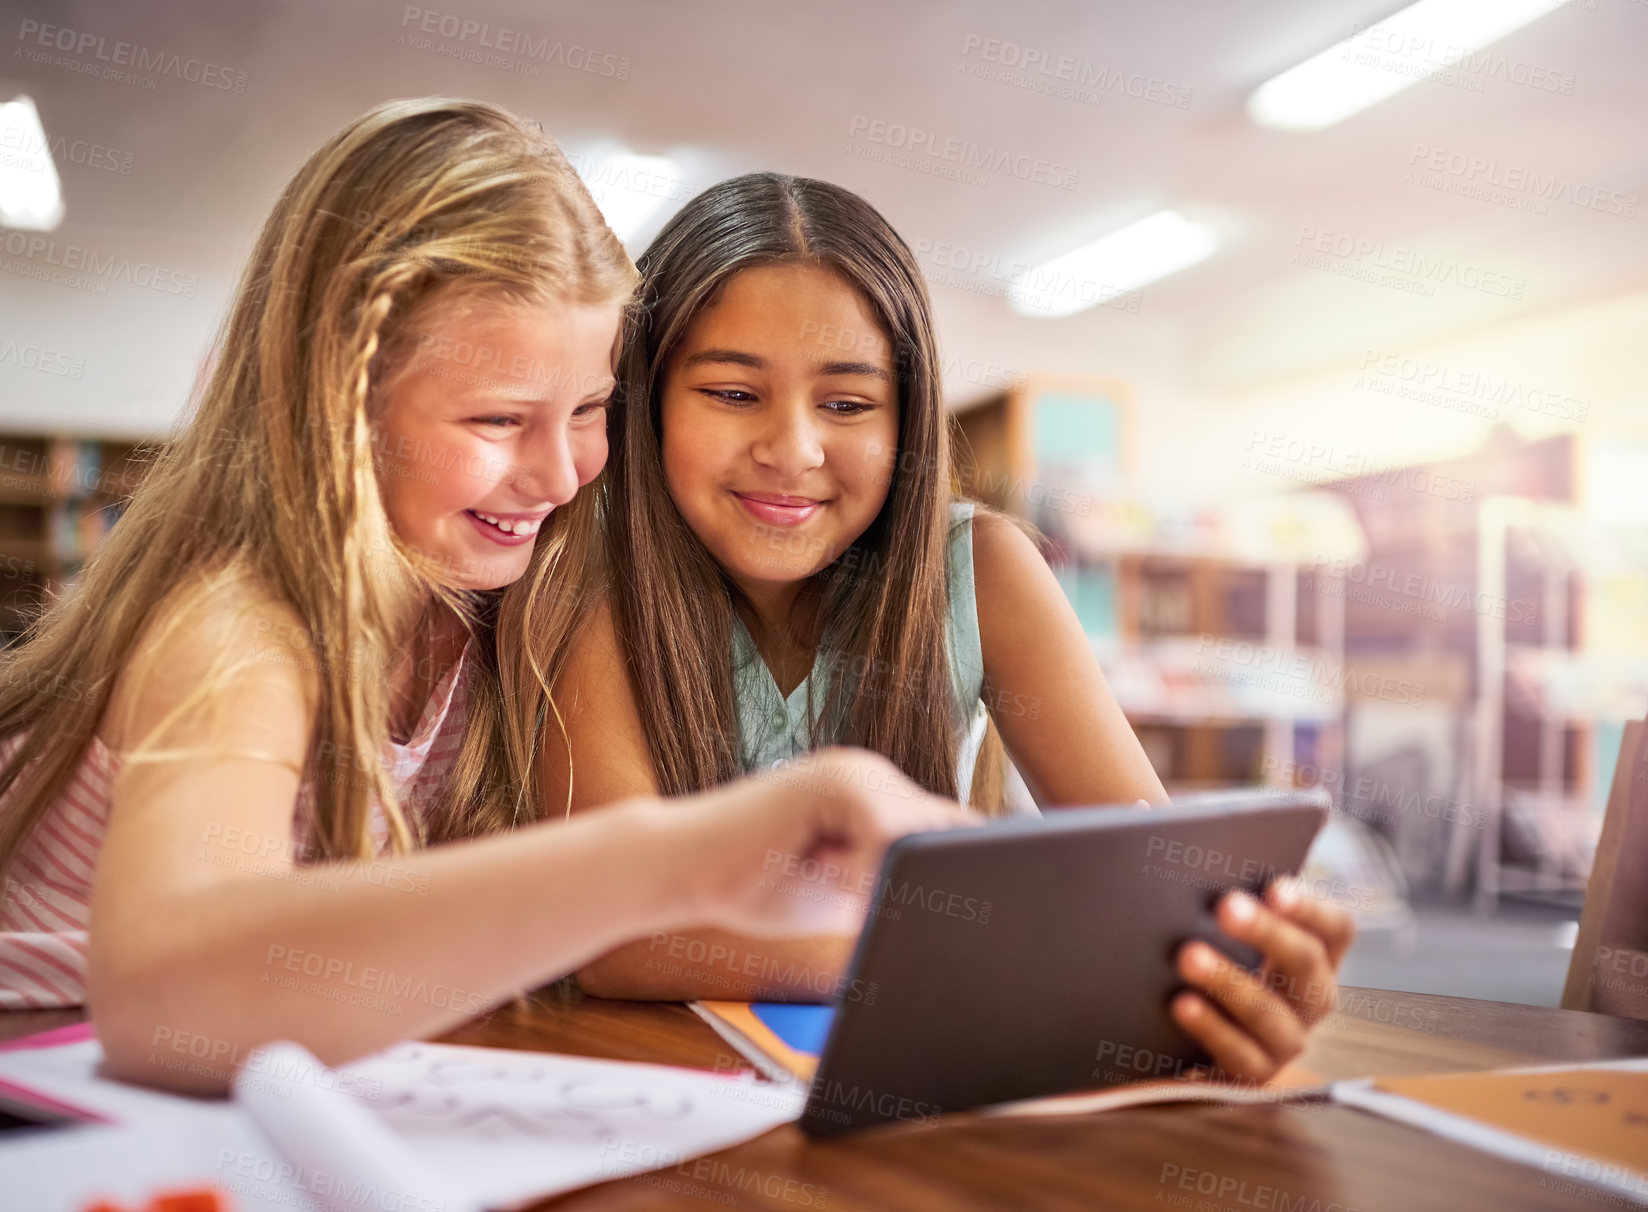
x=1029, y=957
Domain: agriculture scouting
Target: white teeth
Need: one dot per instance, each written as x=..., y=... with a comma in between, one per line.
x=518, y=527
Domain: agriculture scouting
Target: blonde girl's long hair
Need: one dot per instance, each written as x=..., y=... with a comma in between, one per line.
x=884, y=602
x=273, y=480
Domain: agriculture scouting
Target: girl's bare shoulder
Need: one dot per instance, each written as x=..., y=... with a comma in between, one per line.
x=1004, y=548
x=218, y=644
x=595, y=652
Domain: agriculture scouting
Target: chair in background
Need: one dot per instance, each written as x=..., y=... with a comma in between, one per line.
x=1609, y=969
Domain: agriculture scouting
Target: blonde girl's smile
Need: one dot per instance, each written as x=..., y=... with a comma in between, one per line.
x=509, y=529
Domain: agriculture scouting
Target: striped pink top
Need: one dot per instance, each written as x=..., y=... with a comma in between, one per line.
x=45, y=902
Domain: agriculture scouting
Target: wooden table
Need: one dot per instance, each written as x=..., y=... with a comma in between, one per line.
x=1298, y=1158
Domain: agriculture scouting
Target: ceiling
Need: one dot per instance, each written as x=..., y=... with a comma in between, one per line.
x=732, y=86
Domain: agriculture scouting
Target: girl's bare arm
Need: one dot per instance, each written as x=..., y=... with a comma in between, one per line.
x=610, y=764
x=206, y=941
x=1050, y=702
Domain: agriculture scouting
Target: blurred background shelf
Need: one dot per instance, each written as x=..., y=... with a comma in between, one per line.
x=1450, y=648
x=59, y=495
x=1208, y=622
x=1550, y=705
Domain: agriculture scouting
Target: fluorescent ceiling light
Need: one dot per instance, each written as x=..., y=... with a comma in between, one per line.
x=1124, y=260
x=31, y=196
x=631, y=188
x=1383, y=59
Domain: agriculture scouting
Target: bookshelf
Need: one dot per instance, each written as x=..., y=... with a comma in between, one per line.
x=1550, y=707
x=1537, y=614
x=1215, y=628
x=59, y=495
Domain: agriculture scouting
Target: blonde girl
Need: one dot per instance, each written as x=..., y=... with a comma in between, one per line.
x=789, y=569
x=295, y=666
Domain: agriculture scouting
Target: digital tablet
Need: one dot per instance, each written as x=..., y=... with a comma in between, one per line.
x=1033, y=956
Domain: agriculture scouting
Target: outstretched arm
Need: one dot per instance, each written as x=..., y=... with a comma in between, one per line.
x=205, y=935
x=609, y=764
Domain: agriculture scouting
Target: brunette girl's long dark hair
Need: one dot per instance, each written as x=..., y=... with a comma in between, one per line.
x=884, y=601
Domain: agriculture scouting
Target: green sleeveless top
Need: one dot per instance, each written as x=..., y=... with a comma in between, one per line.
x=774, y=729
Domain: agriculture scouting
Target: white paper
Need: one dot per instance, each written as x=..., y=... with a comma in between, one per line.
x=70, y=1073
x=339, y=1152
x=65, y=1169
x=158, y=1141
x=523, y=1125
x=441, y=1124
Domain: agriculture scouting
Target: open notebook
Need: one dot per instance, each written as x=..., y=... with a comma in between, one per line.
x=417, y=1127
x=1584, y=1126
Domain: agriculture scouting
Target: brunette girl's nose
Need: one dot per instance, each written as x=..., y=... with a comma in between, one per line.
x=789, y=442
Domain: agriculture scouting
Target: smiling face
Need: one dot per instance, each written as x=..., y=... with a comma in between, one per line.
x=498, y=418
x=780, y=422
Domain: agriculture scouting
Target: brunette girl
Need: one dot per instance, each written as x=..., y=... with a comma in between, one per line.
x=789, y=568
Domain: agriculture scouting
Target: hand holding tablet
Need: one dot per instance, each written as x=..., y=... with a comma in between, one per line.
x=1264, y=1015
x=1028, y=957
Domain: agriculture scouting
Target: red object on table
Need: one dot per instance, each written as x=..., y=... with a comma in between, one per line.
x=191, y=1199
